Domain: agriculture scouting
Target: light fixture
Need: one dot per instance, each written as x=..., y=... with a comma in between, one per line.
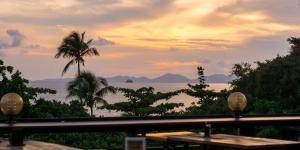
x=11, y=104
x=237, y=102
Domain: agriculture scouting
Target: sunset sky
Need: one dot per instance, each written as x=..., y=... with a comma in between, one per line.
x=146, y=37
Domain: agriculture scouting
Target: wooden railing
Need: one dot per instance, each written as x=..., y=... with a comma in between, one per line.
x=143, y=124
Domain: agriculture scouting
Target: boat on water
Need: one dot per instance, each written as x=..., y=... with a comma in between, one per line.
x=129, y=81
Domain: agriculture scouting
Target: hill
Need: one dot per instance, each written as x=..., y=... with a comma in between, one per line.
x=166, y=78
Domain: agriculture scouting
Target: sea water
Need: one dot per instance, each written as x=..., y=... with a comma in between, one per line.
x=61, y=93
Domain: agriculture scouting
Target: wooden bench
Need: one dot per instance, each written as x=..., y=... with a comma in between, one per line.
x=223, y=140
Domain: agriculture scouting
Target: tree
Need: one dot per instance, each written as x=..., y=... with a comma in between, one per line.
x=276, y=80
x=89, y=89
x=201, y=78
x=12, y=81
x=141, y=102
x=209, y=101
x=36, y=107
x=200, y=90
x=75, y=47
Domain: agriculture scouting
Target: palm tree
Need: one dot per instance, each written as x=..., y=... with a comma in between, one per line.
x=75, y=48
x=89, y=89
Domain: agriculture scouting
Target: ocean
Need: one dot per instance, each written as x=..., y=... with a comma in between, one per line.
x=113, y=98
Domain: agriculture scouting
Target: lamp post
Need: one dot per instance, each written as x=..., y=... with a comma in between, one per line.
x=237, y=102
x=11, y=104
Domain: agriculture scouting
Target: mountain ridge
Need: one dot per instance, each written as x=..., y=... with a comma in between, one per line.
x=165, y=78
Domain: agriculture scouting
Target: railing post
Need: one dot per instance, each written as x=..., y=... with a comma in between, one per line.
x=207, y=130
x=16, y=137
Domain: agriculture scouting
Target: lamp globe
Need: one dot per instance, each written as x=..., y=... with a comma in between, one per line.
x=237, y=102
x=11, y=104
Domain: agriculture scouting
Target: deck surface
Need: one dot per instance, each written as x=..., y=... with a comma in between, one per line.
x=34, y=145
x=233, y=141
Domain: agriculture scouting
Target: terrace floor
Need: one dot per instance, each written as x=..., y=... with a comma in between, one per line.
x=34, y=145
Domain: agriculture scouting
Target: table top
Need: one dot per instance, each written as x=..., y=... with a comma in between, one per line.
x=234, y=141
x=163, y=136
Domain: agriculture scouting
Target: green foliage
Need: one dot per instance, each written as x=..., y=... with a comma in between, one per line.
x=216, y=106
x=35, y=107
x=56, y=109
x=210, y=102
x=272, y=87
x=11, y=81
x=75, y=47
x=275, y=80
x=141, y=102
x=89, y=89
x=265, y=107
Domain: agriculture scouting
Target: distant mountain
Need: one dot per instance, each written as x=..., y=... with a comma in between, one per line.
x=124, y=78
x=166, y=78
x=172, y=78
x=217, y=78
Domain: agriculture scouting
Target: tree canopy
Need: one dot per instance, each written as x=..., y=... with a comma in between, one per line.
x=141, y=102
x=276, y=80
x=89, y=89
x=75, y=48
x=12, y=81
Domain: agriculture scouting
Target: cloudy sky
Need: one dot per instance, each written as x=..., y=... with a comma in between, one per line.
x=146, y=37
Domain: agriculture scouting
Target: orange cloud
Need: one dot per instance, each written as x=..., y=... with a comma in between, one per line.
x=38, y=53
x=113, y=55
x=174, y=64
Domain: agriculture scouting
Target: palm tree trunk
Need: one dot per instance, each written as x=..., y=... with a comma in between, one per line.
x=78, y=64
x=78, y=68
x=92, y=111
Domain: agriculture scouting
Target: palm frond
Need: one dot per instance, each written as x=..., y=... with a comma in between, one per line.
x=102, y=82
x=100, y=101
x=90, y=52
x=74, y=47
x=89, y=42
x=67, y=66
x=82, y=37
x=104, y=91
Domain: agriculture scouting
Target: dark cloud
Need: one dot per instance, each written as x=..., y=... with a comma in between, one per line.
x=35, y=46
x=174, y=49
x=192, y=43
x=198, y=40
x=262, y=48
x=1, y=53
x=16, y=40
x=102, y=42
x=4, y=44
x=206, y=61
x=283, y=11
x=98, y=2
x=280, y=10
x=16, y=36
x=145, y=9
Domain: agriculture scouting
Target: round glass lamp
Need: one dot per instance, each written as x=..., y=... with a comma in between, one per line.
x=11, y=104
x=237, y=102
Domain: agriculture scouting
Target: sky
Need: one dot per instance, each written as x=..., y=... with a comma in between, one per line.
x=146, y=37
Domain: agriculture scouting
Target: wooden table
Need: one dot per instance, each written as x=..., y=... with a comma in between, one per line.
x=233, y=141
x=163, y=137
